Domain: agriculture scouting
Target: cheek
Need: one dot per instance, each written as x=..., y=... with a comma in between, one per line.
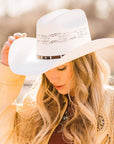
x=67, y=76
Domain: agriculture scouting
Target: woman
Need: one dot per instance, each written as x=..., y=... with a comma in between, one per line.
x=72, y=102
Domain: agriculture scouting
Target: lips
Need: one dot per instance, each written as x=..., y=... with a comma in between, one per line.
x=59, y=87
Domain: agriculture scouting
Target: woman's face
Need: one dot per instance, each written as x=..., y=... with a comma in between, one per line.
x=60, y=78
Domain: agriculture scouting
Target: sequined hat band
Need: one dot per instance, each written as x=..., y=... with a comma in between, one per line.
x=51, y=46
x=82, y=32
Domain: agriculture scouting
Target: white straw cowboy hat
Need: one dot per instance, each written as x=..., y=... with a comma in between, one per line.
x=61, y=36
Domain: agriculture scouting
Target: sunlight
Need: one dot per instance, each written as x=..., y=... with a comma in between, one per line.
x=15, y=7
x=102, y=8
x=55, y=4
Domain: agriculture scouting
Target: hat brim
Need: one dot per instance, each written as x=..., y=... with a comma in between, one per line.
x=23, y=61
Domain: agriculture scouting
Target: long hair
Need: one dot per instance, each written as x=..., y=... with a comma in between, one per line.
x=34, y=123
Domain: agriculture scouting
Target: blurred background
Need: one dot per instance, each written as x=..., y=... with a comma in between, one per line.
x=22, y=15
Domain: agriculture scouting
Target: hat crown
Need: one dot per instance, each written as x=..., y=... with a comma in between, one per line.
x=62, y=20
x=61, y=31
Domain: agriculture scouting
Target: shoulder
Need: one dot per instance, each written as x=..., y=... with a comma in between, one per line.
x=109, y=95
x=105, y=118
x=109, y=89
x=109, y=108
x=29, y=101
x=109, y=100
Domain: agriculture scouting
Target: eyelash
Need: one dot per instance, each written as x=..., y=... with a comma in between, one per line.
x=62, y=69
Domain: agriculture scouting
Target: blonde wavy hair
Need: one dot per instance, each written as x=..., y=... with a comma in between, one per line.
x=33, y=124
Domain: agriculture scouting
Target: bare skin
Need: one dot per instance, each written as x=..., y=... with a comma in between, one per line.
x=6, y=47
x=60, y=77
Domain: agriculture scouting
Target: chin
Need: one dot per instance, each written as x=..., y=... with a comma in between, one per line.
x=63, y=93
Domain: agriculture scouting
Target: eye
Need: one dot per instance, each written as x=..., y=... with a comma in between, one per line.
x=61, y=69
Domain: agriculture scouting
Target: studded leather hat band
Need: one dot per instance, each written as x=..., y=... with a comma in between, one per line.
x=49, y=57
